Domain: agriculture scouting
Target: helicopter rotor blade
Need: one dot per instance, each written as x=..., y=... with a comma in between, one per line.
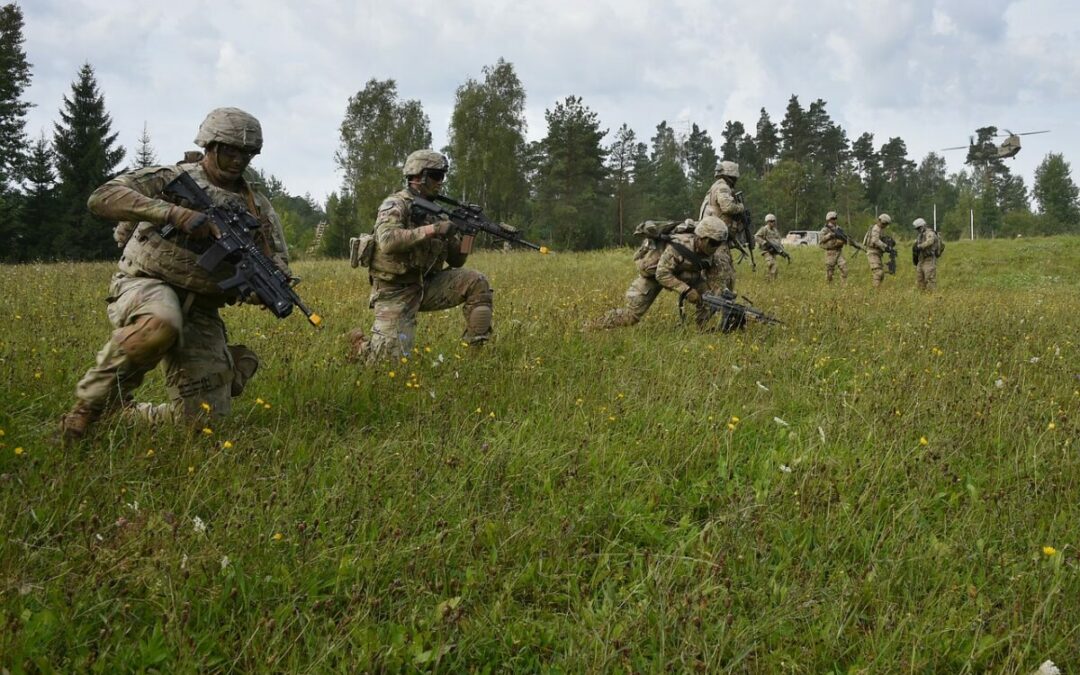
x=1029, y=133
x=959, y=147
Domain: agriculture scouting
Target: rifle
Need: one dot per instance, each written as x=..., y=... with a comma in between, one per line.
x=890, y=248
x=773, y=249
x=745, y=219
x=915, y=253
x=847, y=238
x=733, y=313
x=255, y=272
x=468, y=219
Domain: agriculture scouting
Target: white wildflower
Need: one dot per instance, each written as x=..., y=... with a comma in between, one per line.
x=183, y=562
x=821, y=432
x=1033, y=359
x=735, y=368
x=1048, y=668
x=200, y=526
x=785, y=468
x=999, y=383
x=761, y=386
x=134, y=505
x=224, y=561
x=780, y=422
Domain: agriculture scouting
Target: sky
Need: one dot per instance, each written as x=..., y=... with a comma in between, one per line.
x=928, y=71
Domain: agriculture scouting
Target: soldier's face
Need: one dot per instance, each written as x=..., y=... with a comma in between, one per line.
x=231, y=160
x=431, y=181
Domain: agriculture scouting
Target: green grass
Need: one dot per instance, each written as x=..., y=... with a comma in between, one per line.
x=565, y=501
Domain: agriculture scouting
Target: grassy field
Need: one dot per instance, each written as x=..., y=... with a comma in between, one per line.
x=887, y=483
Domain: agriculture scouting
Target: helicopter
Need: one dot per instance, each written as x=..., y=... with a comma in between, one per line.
x=1008, y=148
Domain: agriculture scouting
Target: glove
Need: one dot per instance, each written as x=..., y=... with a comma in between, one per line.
x=195, y=224
x=444, y=227
x=693, y=297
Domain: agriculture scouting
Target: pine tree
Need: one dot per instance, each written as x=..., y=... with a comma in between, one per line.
x=795, y=132
x=14, y=79
x=86, y=157
x=701, y=161
x=621, y=169
x=144, y=152
x=37, y=219
x=767, y=141
x=572, y=191
x=669, y=194
x=1057, y=194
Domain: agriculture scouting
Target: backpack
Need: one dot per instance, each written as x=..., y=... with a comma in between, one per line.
x=656, y=234
x=939, y=245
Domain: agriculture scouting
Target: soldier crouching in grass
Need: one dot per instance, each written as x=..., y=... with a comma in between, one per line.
x=685, y=263
x=164, y=307
x=416, y=266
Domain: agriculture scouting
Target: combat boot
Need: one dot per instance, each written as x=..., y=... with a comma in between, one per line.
x=76, y=422
x=359, y=345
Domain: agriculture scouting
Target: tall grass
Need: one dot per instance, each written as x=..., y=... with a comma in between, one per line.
x=887, y=483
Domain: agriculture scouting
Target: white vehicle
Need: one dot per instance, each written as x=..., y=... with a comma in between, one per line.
x=801, y=238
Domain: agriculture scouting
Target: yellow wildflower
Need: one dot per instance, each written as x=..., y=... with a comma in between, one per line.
x=1049, y=550
x=226, y=445
x=18, y=451
x=1051, y=426
x=278, y=536
x=391, y=374
x=208, y=431
x=205, y=406
x=190, y=470
x=923, y=441
x=259, y=401
x=150, y=452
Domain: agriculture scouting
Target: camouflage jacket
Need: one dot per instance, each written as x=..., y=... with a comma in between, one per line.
x=137, y=197
x=720, y=202
x=928, y=244
x=404, y=252
x=830, y=240
x=676, y=271
x=767, y=234
x=874, y=245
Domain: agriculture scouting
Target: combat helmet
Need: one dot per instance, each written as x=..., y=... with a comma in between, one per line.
x=919, y=222
x=231, y=126
x=711, y=227
x=831, y=215
x=419, y=160
x=770, y=218
x=884, y=219
x=727, y=168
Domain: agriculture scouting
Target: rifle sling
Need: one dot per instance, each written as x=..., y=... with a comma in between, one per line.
x=694, y=258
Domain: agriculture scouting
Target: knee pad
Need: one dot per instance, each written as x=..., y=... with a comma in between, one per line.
x=146, y=340
x=245, y=365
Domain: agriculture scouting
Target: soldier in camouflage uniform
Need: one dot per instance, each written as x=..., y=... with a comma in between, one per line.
x=834, y=248
x=410, y=273
x=720, y=203
x=685, y=264
x=164, y=307
x=875, y=248
x=928, y=247
x=768, y=233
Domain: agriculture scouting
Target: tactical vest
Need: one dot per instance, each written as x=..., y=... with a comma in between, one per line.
x=175, y=260
x=422, y=258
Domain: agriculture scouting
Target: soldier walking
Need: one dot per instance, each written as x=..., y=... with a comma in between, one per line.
x=927, y=248
x=768, y=240
x=833, y=243
x=720, y=202
x=875, y=248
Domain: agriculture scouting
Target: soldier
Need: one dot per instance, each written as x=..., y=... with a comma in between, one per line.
x=768, y=236
x=409, y=272
x=875, y=248
x=164, y=307
x=720, y=202
x=833, y=244
x=927, y=248
x=686, y=263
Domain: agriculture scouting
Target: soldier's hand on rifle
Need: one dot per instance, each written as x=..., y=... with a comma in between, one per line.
x=441, y=228
x=693, y=297
x=193, y=223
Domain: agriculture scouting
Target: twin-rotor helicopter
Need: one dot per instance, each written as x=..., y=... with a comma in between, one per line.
x=1008, y=148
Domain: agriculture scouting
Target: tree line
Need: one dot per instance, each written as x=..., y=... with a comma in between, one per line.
x=581, y=186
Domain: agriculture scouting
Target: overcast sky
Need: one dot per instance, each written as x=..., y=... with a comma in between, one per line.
x=927, y=71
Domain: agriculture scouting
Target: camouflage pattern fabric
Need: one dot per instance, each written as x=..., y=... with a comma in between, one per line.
x=396, y=306
x=768, y=233
x=926, y=270
x=830, y=240
x=720, y=202
x=834, y=258
x=200, y=368
x=405, y=249
x=874, y=250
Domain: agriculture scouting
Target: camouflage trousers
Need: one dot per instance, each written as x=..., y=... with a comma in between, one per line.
x=835, y=258
x=926, y=273
x=153, y=326
x=723, y=271
x=640, y=297
x=396, y=306
x=770, y=263
x=877, y=269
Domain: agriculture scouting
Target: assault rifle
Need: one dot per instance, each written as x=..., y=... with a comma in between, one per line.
x=915, y=253
x=773, y=249
x=733, y=313
x=255, y=271
x=468, y=219
x=745, y=220
x=890, y=248
x=839, y=231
